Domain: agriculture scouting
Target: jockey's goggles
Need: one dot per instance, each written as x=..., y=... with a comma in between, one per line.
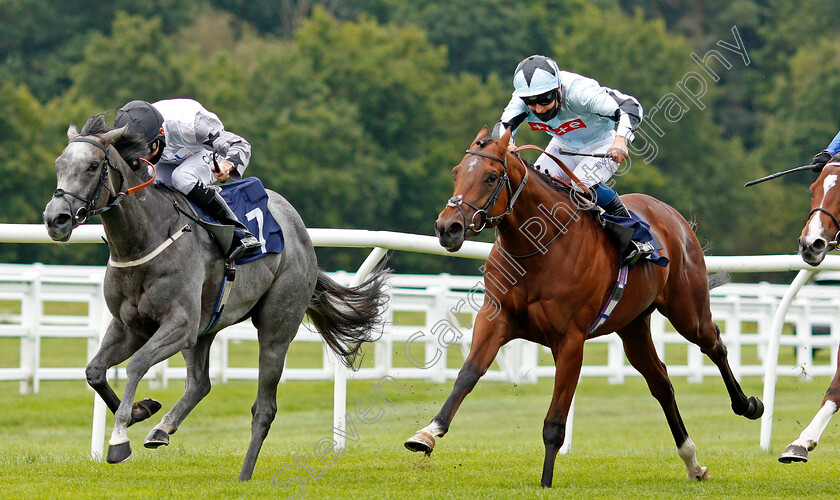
x=540, y=100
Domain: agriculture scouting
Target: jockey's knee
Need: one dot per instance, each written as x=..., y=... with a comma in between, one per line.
x=184, y=181
x=603, y=194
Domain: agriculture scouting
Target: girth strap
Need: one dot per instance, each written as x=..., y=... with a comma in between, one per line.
x=612, y=300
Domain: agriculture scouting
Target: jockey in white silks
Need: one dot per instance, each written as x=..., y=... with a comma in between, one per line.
x=581, y=117
x=191, y=150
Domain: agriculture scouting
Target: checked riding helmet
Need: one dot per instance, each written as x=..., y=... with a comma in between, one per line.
x=535, y=81
x=535, y=75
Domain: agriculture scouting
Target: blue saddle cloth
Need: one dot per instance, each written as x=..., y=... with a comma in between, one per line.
x=249, y=201
x=641, y=233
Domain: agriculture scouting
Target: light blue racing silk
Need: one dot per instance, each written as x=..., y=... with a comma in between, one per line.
x=588, y=112
x=834, y=147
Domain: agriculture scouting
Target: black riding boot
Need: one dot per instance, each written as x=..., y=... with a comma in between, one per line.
x=211, y=201
x=632, y=251
x=616, y=207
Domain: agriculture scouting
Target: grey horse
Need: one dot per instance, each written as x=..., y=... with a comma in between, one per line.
x=164, y=276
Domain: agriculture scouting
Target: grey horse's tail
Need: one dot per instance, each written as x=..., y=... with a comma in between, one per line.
x=718, y=279
x=348, y=316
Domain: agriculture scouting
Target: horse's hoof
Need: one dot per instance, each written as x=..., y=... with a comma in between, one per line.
x=756, y=409
x=421, y=441
x=794, y=453
x=156, y=438
x=141, y=410
x=700, y=475
x=118, y=453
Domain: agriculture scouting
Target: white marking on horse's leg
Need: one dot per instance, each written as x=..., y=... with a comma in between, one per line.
x=811, y=435
x=165, y=425
x=434, y=429
x=689, y=455
x=118, y=436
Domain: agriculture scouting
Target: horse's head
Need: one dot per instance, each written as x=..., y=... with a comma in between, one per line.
x=821, y=232
x=482, y=194
x=82, y=171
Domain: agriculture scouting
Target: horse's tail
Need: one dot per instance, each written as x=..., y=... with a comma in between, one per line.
x=348, y=316
x=718, y=279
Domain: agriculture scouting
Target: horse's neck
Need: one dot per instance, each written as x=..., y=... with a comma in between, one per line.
x=140, y=222
x=542, y=218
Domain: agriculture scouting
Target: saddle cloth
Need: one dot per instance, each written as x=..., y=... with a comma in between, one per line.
x=641, y=233
x=249, y=201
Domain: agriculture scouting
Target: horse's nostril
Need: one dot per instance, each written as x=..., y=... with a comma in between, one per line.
x=818, y=245
x=61, y=219
x=455, y=229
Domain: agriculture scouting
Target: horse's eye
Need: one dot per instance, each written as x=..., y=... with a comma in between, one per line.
x=493, y=177
x=94, y=165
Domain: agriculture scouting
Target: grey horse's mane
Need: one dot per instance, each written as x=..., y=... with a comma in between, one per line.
x=131, y=146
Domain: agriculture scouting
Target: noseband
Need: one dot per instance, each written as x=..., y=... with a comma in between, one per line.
x=86, y=212
x=504, y=181
x=833, y=243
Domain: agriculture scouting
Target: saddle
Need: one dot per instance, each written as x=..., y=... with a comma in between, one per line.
x=633, y=238
x=249, y=201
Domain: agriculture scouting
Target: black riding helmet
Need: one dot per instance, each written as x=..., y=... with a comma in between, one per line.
x=141, y=118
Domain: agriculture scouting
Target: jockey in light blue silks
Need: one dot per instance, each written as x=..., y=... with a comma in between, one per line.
x=183, y=139
x=580, y=116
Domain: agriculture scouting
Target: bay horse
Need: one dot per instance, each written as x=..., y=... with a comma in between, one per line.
x=163, y=279
x=549, y=273
x=818, y=237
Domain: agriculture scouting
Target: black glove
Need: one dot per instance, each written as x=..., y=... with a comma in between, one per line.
x=820, y=159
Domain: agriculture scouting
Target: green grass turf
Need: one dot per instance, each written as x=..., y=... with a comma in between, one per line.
x=621, y=447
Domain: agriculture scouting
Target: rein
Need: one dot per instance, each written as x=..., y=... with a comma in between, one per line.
x=486, y=218
x=86, y=212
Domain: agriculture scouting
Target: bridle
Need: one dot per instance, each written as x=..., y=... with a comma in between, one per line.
x=504, y=181
x=833, y=243
x=87, y=211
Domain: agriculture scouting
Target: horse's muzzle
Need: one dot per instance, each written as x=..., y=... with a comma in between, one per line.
x=450, y=234
x=58, y=220
x=813, y=250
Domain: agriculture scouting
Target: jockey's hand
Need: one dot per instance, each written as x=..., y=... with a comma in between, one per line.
x=618, y=151
x=225, y=168
x=820, y=159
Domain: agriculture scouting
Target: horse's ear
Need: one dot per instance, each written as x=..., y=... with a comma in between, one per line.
x=111, y=136
x=484, y=132
x=504, y=140
x=72, y=132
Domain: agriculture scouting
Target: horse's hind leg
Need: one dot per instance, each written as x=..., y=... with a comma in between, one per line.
x=197, y=360
x=698, y=328
x=272, y=355
x=798, y=450
x=641, y=353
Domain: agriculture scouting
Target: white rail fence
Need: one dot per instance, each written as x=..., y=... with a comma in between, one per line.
x=422, y=332
x=751, y=318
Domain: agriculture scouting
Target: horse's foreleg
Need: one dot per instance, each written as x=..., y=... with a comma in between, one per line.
x=488, y=338
x=568, y=358
x=798, y=450
x=117, y=345
x=641, y=353
x=167, y=341
x=197, y=360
